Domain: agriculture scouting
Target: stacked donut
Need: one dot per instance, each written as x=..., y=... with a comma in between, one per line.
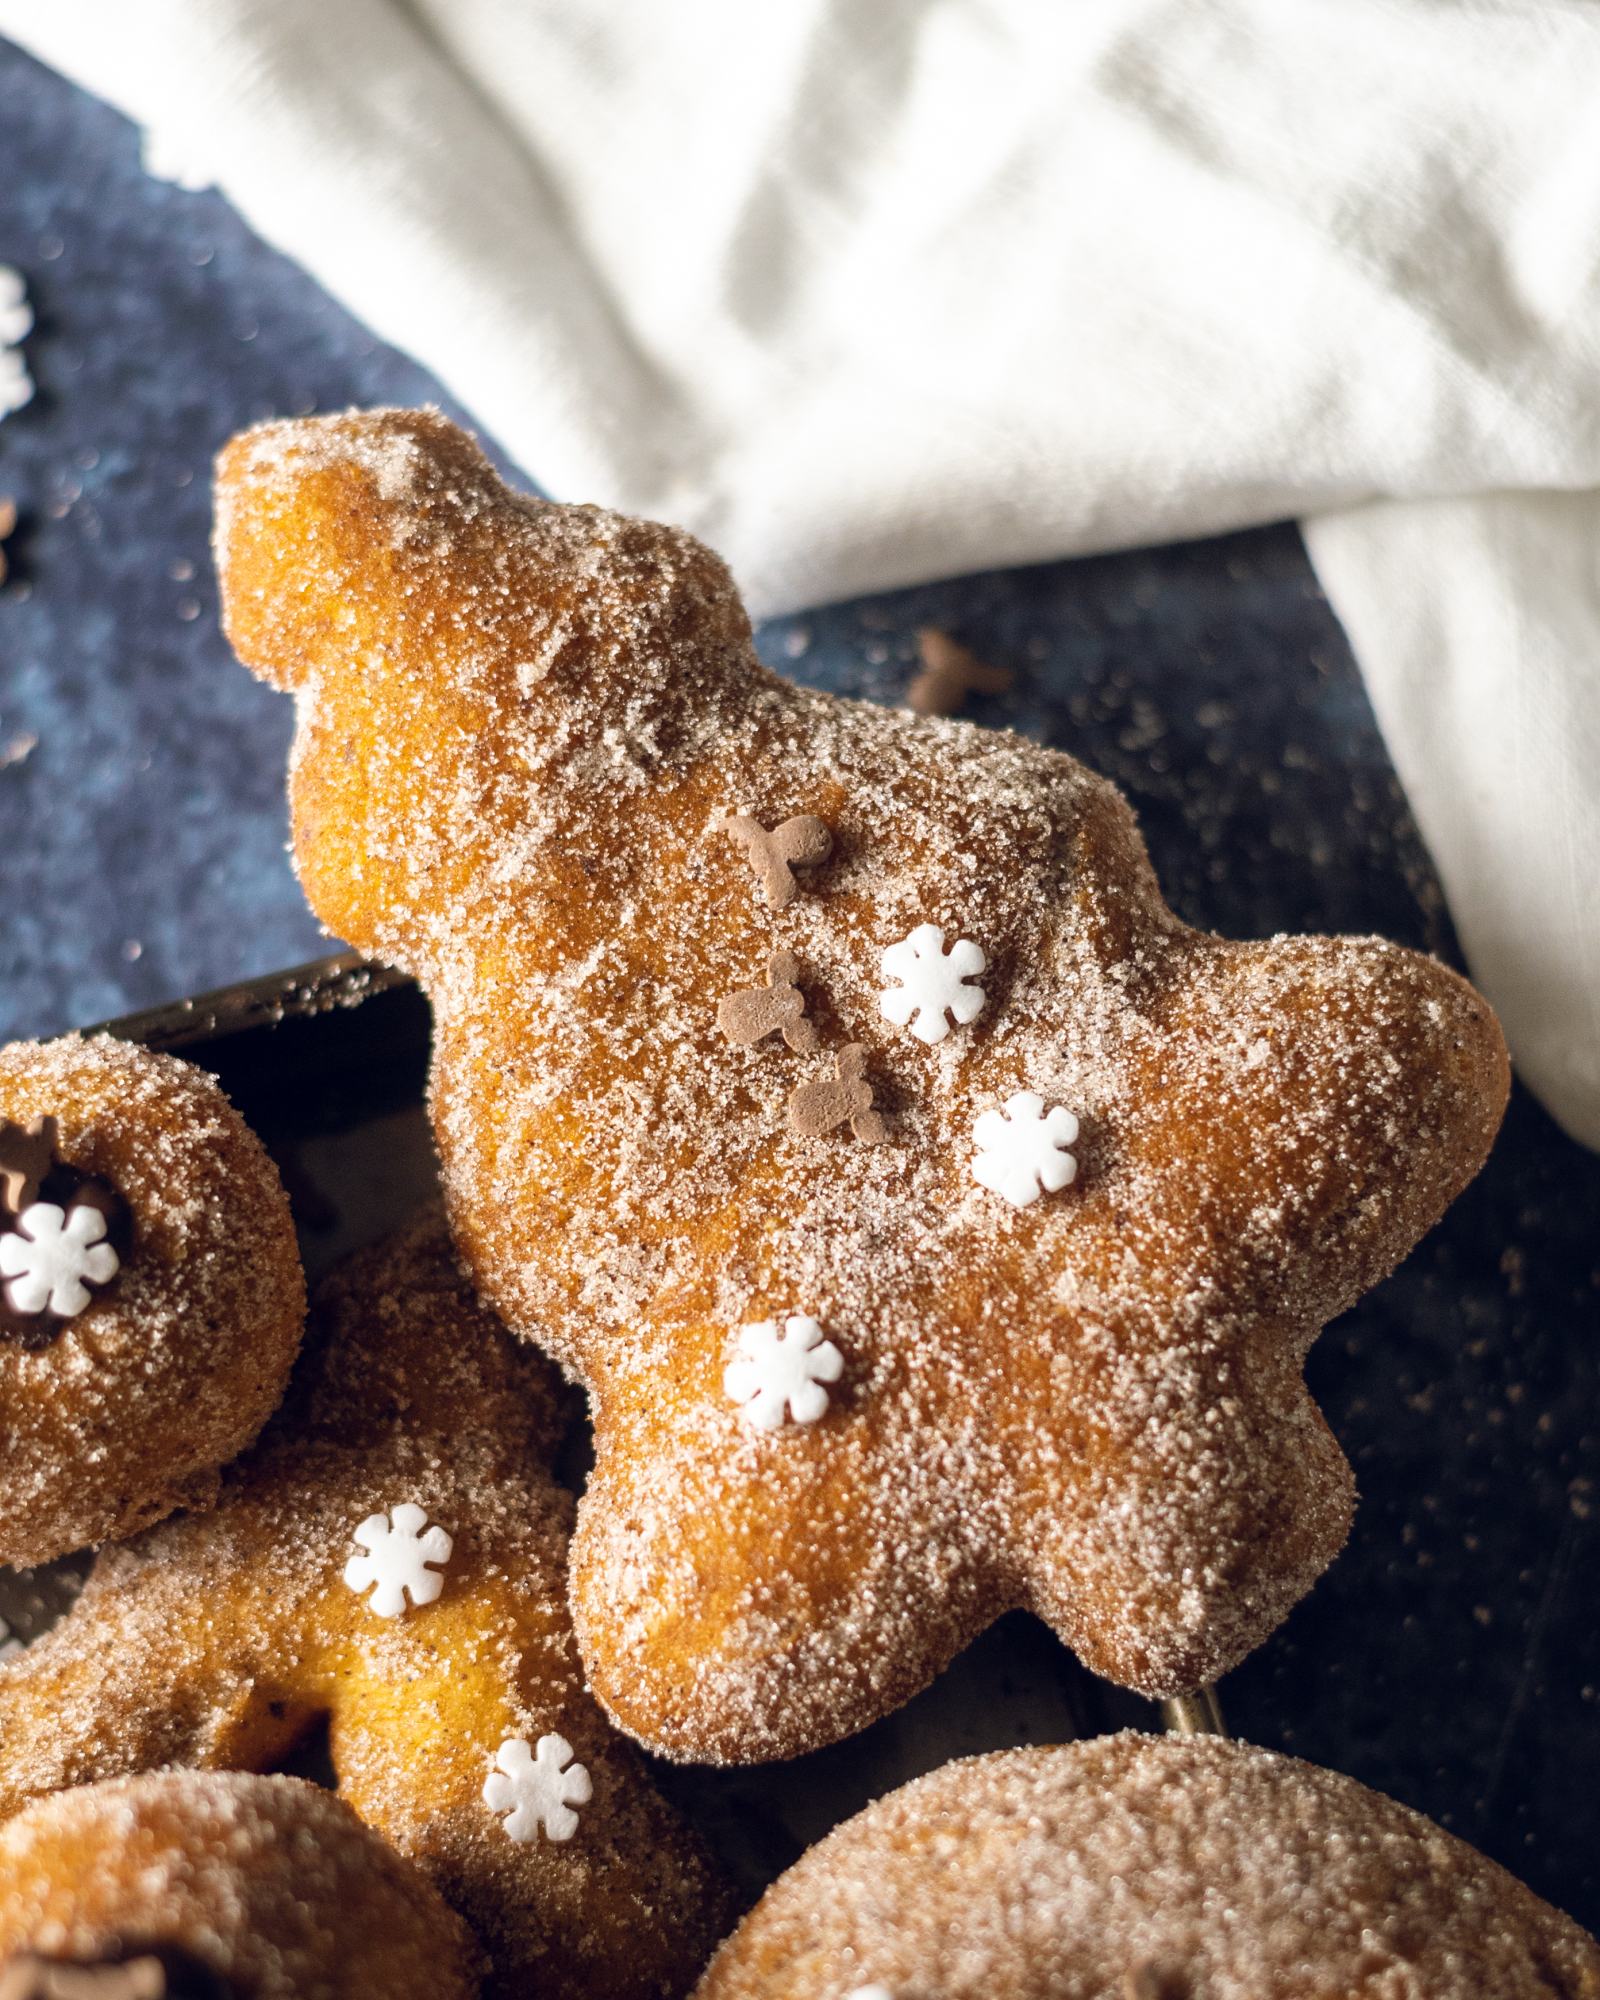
x=936, y=1225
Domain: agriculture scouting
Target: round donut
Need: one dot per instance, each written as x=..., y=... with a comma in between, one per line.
x=130, y=1375
x=1147, y=1868
x=219, y=1885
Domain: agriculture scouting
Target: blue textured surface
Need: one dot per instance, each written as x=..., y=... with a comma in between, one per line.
x=1452, y=1657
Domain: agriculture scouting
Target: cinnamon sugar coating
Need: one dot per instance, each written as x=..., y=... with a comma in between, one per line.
x=267, y=1884
x=1178, y=1868
x=521, y=727
x=220, y=1641
x=174, y=1366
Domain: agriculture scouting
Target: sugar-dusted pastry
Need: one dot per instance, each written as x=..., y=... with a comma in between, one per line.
x=992, y=1286
x=216, y=1886
x=390, y=1563
x=151, y=1299
x=1147, y=1868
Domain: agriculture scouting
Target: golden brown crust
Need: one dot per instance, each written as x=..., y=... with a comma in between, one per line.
x=218, y=1642
x=174, y=1367
x=521, y=729
x=266, y=1883
x=1178, y=1868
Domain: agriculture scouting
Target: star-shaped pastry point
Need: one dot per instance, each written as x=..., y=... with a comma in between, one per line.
x=518, y=726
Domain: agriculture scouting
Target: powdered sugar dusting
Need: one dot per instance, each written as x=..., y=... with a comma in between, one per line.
x=1222, y=1871
x=266, y=1883
x=220, y=1640
x=173, y=1368
x=1092, y=1405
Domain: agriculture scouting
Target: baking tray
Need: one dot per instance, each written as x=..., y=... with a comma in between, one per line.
x=328, y=1062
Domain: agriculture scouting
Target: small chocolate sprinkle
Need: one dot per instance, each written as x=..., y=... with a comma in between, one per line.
x=27, y=1154
x=816, y=1108
x=8, y=524
x=28, y=1977
x=774, y=853
x=950, y=672
x=778, y=1008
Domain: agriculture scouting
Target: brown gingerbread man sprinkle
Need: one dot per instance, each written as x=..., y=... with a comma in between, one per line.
x=27, y=1154
x=774, y=853
x=778, y=1008
x=31, y=1978
x=816, y=1108
x=950, y=672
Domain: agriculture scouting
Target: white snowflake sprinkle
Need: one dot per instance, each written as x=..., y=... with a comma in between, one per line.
x=173, y=157
x=16, y=323
x=933, y=983
x=397, y=1563
x=16, y=315
x=538, y=1788
x=779, y=1373
x=1022, y=1149
x=16, y=384
x=53, y=1256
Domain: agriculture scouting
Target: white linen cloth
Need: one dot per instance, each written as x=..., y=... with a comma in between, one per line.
x=869, y=291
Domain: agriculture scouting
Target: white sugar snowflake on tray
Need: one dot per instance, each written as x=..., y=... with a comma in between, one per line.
x=16, y=323
x=403, y=1559
x=53, y=1256
x=934, y=983
x=781, y=1375
x=1022, y=1149
x=537, y=1788
x=171, y=156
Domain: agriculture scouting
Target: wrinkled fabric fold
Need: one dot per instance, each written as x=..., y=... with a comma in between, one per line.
x=873, y=294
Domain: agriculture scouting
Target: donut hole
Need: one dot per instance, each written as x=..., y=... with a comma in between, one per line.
x=310, y=1755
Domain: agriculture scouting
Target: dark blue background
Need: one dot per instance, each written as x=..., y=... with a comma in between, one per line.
x=1452, y=1657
